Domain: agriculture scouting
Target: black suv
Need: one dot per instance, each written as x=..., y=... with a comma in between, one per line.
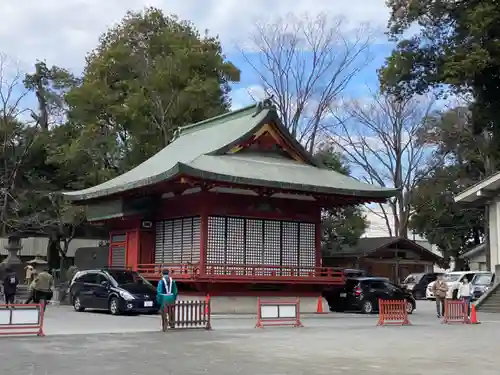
x=118, y=291
x=416, y=283
x=362, y=294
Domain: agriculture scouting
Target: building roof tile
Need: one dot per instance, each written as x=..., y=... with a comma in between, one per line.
x=199, y=150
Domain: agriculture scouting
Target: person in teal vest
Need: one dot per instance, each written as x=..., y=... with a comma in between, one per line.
x=166, y=294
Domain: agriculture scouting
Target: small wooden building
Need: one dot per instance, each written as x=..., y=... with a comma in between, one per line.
x=232, y=206
x=391, y=257
x=476, y=258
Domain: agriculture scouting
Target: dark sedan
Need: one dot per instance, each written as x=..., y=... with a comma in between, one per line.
x=363, y=293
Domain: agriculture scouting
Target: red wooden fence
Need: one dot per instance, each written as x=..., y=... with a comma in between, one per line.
x=392, y=312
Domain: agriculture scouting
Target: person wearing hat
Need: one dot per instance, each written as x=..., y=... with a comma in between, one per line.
x=166, y=295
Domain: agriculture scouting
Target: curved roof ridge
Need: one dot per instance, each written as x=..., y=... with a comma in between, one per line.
x=188, y=129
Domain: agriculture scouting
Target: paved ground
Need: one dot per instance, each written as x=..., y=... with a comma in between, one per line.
x=336, y=343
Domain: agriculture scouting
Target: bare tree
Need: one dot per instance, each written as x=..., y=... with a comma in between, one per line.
x=18, y=129
x=381, y=138
x=305, y=63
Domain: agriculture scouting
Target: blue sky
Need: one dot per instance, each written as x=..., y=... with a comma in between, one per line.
x=358, y=86
x=63, y=32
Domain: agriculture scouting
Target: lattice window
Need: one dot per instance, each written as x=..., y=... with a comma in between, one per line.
x=289, y=246
x=272, y=245
x=195, y=255
x=187, y=240
x=178, y=241
x=254, y=242
x=168, y=243
x=235, y=244
x=159, y=245
x=216, y=246
x=307, y=250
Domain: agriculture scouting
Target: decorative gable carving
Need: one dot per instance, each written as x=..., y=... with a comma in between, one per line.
x=268, y=140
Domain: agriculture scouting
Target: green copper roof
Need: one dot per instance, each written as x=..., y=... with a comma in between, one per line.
x=199, y=150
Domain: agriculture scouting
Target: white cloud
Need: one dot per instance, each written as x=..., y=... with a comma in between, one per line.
x=62, y=32
x=247, y=95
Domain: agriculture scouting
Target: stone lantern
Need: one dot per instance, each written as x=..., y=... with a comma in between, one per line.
x=12, y=260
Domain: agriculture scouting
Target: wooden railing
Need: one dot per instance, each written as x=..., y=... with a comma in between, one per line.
x=177, y=270
x=241, y=272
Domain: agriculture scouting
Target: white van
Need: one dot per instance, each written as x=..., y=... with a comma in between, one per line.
x=453, y=280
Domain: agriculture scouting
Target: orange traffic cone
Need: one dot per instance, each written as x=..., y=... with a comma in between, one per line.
x=473, y=316
x=319, y=306
x=207, y=301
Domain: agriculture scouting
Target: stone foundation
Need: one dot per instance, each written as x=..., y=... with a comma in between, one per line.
x=248, y=305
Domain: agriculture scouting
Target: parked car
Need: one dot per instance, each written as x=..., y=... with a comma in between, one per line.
x=481, y=283
x=416, y=283
x=453, y=279
x=118, y=291
x=354, y=272
x=362, y=294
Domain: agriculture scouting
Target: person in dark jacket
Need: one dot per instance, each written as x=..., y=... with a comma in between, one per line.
x=10, y=283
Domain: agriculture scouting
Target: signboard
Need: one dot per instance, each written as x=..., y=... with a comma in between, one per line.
x=21, y=319
x=279, y=312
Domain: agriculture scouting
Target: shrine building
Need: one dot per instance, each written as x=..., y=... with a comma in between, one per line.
x=232, y=206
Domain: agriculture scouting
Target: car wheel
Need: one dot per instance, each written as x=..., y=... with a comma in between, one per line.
x=367, y=307
x=77, y=304
x=114, y=306
x=409, y=307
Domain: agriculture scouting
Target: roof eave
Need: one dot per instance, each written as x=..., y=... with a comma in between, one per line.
x=367, y=194
x=78, y=197
x=479, y=191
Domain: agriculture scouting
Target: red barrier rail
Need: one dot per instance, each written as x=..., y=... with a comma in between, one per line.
x=278, y=312
x=21, y=319
x=392, y=312
x=455, y=311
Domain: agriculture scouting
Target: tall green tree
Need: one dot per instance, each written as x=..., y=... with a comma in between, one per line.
x=149, y=74
x=435, y=215
x=341, y=226
x=455, y=49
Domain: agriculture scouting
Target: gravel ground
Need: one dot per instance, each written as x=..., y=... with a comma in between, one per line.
x=79, y=344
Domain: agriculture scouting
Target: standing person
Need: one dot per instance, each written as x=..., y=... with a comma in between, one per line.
x=31, y=287
x=166, y=295
x=440, y=288
x=465, y=293
x=30, y=272
x=10, y=283
x=42, y=288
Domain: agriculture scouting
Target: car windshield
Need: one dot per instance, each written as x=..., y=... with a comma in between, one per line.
x=127, y=277
x=413, y=278
x=450, y=277
x=393, y=286
x=482, y=280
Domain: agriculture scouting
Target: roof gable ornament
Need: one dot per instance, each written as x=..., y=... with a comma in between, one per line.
x=264, y=104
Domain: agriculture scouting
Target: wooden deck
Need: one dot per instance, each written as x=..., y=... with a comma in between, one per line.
x=238, y=273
